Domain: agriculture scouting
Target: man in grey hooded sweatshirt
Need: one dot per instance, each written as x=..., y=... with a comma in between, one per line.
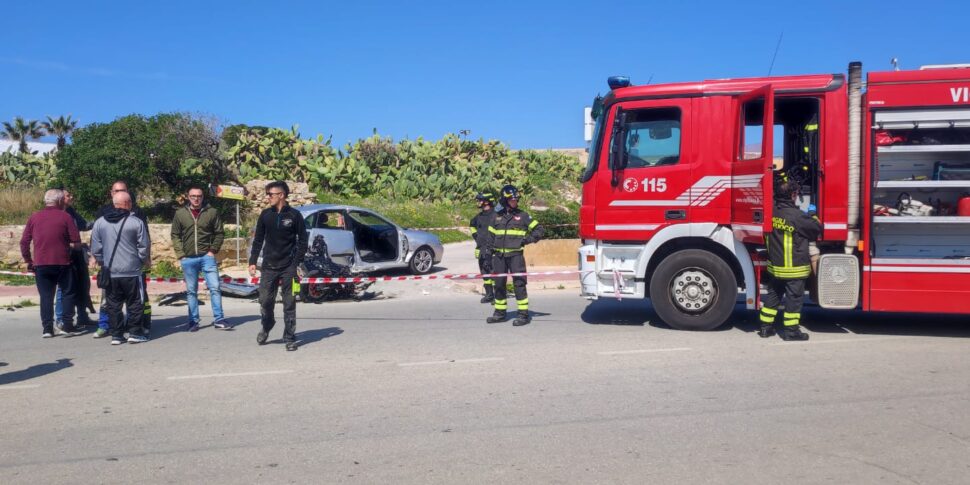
x=130, y=234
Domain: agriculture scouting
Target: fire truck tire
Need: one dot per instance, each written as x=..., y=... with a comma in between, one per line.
x=693, y=290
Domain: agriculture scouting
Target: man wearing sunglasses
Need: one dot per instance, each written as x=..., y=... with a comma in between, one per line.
x=281, y=236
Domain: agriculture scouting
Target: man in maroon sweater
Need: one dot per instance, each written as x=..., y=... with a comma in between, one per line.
x=53, y=234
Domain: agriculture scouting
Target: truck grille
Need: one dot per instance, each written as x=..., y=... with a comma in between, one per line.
x=838, y=281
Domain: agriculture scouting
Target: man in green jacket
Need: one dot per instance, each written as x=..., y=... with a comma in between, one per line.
x=197, y=236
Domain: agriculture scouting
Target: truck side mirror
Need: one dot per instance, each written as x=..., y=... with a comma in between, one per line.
x=617, y=148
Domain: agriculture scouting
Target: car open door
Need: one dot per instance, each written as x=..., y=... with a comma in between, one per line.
x=751, y=172
x=340, y=242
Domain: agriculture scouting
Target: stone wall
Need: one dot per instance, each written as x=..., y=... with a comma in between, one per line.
x=161, y=233
x=299, y=193
x=161, y=245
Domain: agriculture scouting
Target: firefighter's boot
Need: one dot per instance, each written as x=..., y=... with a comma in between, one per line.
x=794, y=333
x=523, y=318
x=497, y=317
x=767, y=322
x=766, y=330
x=489, y=294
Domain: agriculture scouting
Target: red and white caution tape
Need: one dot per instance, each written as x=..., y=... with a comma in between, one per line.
x=456, y=228
x=354, y=279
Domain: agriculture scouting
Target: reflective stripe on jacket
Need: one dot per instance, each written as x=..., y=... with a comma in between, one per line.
x=511, y=229
x=787, y=243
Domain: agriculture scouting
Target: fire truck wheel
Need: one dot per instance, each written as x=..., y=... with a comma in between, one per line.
x=693, y=290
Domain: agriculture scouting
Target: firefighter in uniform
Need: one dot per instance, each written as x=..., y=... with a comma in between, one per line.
x=789, y=264
x=479, y=227
x=511, y=229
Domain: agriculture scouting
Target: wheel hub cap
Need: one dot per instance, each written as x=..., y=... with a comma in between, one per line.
x=693, y=290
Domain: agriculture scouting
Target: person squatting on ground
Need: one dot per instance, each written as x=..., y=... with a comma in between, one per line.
x=197, y=235
x=79, y=273
x=54, y=235
x=479, y=228
x=510, y=230
x=789, y=263
x=117, y=187
x=281, y=235
x=119, y=242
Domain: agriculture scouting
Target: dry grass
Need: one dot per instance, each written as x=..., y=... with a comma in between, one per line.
x=18, y=203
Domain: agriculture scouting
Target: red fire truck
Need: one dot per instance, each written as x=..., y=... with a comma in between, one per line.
x=677, y=193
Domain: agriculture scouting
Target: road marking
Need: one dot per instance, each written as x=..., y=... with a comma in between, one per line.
x=643, y=351
x=19, y=386
x=459, y=361
x=231, y=374
x=837, y=341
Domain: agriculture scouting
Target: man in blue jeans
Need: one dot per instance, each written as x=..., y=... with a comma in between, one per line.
x=197, y=235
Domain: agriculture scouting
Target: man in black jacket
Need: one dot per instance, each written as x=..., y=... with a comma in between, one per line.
x=508, y=233
x=281, y=236
x=80, y=277
x=479, y=227
x=789, y=264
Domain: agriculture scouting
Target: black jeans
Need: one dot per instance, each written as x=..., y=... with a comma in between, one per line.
x=271, y=281
x=49, y=279
x=130, y=293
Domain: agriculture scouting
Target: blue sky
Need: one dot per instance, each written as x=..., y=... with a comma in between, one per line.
x=519, y=71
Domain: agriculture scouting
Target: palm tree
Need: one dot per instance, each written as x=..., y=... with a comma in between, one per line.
x=22, y=130
x=61, y=128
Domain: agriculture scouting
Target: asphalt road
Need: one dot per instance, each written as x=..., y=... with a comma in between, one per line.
x=418, y=389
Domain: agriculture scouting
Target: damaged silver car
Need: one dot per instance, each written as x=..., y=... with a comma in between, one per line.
x=365, y=242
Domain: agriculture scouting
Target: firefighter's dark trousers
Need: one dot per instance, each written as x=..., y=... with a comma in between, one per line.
x=485, y=267
x=510, y=263
x=271, y=281
x=794, y=292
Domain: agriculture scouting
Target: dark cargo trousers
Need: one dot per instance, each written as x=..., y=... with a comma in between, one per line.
x=271, y=281
x=510, y=263
x=127, y=292
x=794, y=292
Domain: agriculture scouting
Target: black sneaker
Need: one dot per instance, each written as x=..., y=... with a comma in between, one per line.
x=261, y=337
x=497, y=317
x=222, y=324
x=72, y=330
x=291, y=346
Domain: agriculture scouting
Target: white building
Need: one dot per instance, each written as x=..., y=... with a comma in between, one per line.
x=34, y=146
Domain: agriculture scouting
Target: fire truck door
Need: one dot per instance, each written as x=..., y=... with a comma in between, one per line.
x=647, y=183
x=751, y=171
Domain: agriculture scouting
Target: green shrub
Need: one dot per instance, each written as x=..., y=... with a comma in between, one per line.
x=166, y=269
x=161, y=155
x=555, y=221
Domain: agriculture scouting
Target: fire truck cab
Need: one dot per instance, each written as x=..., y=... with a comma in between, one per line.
x=677, y=191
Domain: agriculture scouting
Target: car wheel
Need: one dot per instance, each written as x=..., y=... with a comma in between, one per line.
x=422, y=261
x=693, y=290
